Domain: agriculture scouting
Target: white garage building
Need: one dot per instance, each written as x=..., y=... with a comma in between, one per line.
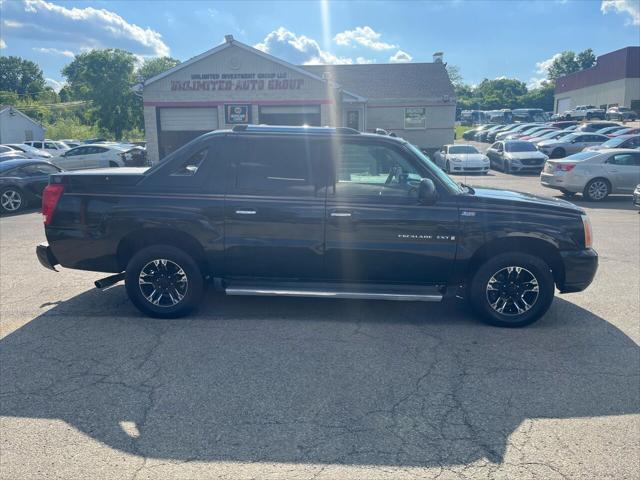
x=234, y=83
x=16, y=127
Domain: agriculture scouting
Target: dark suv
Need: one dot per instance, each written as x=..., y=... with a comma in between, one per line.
x=317, y=212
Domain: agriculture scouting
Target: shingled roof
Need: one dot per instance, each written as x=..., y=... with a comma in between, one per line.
x=389, y=80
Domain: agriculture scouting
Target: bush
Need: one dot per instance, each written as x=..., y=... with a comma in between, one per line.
x=71, y=128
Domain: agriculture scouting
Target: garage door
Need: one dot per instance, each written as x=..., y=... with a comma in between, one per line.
x=181, y=125
x=290, y=115
x=564, y=104
x=188, y=119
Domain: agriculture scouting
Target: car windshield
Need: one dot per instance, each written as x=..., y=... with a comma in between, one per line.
x=580, y=156
x=443, y=177
x=463, y=149
x=614, y=142
x=520, y=147
x=61, y=145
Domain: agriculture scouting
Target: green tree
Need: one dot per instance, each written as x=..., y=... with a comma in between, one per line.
x=568, y=62
x=541, y=97
x=586, y=59
x=20, y=76
x=154, y=66
x=104, y=77
x=454, y=75
x=500, y=93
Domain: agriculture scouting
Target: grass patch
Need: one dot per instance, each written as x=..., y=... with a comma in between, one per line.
x=460, y=129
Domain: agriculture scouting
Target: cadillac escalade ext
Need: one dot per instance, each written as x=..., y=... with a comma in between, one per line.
x=318, y=212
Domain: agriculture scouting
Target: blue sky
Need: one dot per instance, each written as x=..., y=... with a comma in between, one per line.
x=485, y=39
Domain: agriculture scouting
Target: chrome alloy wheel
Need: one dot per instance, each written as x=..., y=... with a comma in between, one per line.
x=598, y=189
x=512, y=290
x=163, y=282
x=11, y=200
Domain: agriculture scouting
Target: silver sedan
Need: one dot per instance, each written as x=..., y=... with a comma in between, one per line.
x=570, y=144
x=594, y=174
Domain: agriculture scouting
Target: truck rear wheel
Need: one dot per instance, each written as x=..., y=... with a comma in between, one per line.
x=511, y=290
x=164, y=282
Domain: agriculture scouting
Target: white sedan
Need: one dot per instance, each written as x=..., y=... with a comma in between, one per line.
x=461, y=158
x=53, y=147
x=100, y=155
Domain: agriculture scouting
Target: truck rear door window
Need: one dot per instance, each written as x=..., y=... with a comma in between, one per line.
x=275, y=166
x=190, y=167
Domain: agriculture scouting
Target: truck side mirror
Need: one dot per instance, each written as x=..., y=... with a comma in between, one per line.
x=427, y=193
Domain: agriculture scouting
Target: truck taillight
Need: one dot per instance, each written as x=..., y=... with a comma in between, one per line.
x=588, y=233
x=565, y=167
x=50, y=197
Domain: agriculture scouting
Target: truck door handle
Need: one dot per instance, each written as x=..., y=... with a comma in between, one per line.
x=245, y=212
x=340, y=214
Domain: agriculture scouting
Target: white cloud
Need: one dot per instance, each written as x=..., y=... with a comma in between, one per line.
x=42, y=21
x=543, y=67
x=298, y=49
x=625, y=7
x=364, y=61
x=56, y=85
x=2, y=44
x=400, y=57
x=365, y=36
x=536, y=82
x=54, y=51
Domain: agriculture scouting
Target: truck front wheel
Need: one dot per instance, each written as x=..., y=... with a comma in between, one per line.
x=163, y=281
x=511, y=289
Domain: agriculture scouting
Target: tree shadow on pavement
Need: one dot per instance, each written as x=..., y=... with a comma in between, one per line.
x=321, y=381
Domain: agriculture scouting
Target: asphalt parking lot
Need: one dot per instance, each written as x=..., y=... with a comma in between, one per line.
x=271, y=388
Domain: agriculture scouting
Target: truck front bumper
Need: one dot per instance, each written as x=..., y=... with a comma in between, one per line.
x=580, y=267
x=46, y=257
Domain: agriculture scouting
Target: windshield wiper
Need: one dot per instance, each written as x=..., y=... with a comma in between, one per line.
x=468, y=187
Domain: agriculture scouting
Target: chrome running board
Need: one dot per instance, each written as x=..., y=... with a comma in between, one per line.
x=407, y=294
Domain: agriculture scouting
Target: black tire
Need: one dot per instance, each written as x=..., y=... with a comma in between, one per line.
x=589, y=116
x=12, y=200
x=480, y=295
x=447, y=167
x=597, y=189
x=192, y=291
x=558, y=153
x=567, y=193
x=506, y=164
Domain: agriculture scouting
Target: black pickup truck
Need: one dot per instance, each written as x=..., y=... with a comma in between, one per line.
x=318, y=212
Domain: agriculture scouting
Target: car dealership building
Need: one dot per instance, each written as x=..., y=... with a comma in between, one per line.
x=234, y=83
x=614, y=81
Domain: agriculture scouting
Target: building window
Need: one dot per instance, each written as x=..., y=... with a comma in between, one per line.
x=415, y=118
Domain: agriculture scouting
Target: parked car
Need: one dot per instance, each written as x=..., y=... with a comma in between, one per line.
x=621, y=113
x=636, y=196
x=461, y=158
x=319, y=212
x=491, y=137
x=470, y=134
x=611, y=130
x=584, y=112
x=527, y=132
x=22, y=181
x=28, y=150
x=71, y=143
x=515, y=156
x=101, y=155
x=626, y=131
x=594, y=174
x=570, y=144
x=553, y=135
x=11, y=155
x=481, y=136
x=55, y=148
x=563, y=124
x=519, y=128
x=622, y=141
x=592, y=127
x=538, y=134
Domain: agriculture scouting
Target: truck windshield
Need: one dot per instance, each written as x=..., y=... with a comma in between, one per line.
x=435, y=171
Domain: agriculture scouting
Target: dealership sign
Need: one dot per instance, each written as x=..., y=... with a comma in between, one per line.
x=237, y=81
x=235, y=114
